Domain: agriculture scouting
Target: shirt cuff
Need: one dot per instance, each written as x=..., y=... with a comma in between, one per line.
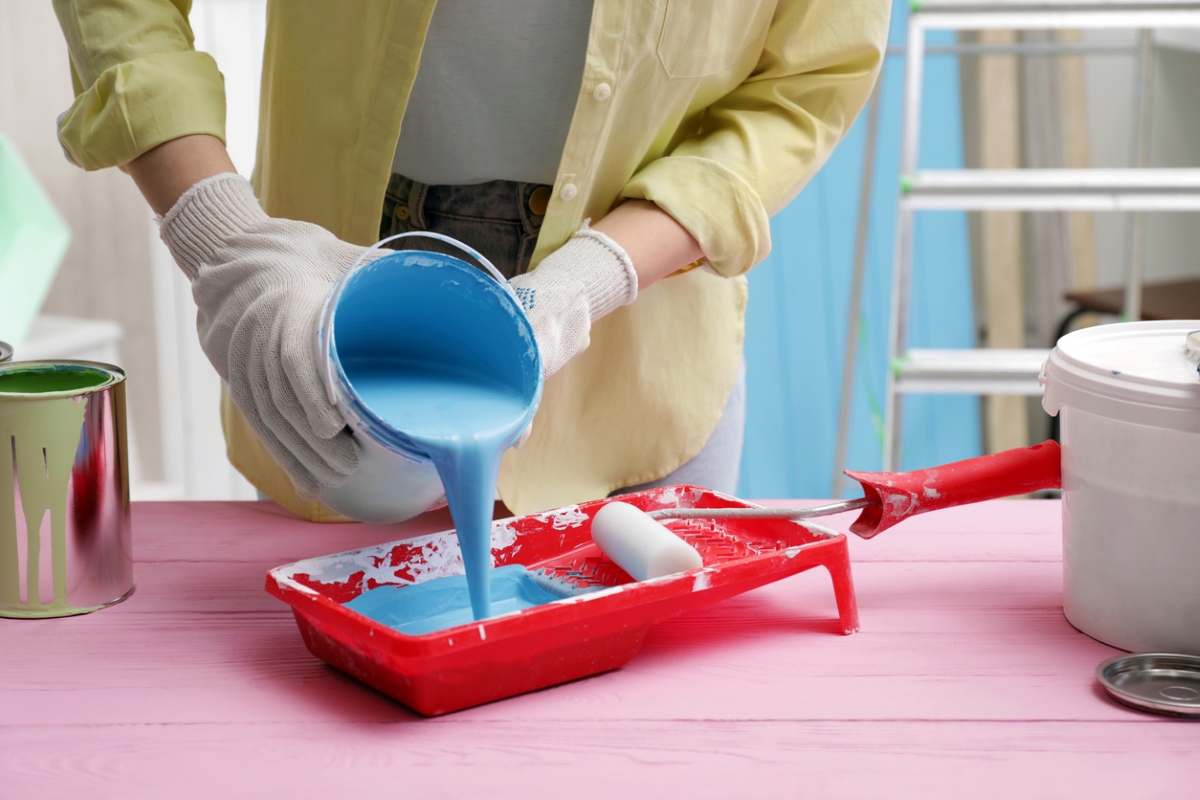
x=137, y=105
x=717, y=206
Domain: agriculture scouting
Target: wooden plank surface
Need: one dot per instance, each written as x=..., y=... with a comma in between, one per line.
x=965, y=680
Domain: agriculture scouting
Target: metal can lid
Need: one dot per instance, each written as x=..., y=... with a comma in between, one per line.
x=1161, y=683
x=6, y=351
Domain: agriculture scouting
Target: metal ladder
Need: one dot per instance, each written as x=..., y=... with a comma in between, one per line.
x=993, y=371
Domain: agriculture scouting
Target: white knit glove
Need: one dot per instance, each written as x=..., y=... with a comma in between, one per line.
x=259, y=284
x=587, y=278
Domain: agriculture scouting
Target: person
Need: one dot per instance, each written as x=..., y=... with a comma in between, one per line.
x=598, y=151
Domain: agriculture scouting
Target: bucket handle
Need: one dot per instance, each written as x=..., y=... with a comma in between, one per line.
x=325, y=348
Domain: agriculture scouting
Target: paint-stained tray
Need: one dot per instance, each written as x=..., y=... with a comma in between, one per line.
x=593, y=632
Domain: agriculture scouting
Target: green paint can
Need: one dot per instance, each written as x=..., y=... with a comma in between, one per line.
x=65, y=538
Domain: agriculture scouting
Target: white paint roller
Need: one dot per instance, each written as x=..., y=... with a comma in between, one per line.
x=643, y=547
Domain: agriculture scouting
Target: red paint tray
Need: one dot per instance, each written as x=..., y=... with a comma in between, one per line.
x=459, y=667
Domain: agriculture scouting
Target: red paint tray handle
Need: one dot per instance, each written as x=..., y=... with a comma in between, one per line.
x=896, y=496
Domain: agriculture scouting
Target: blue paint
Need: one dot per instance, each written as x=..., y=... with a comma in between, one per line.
x=441, y=365
x=442, y=603
x=464, y=423
x=796, y=319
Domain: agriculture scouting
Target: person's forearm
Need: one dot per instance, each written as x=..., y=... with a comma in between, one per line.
x=657, y=245
x=166, y=172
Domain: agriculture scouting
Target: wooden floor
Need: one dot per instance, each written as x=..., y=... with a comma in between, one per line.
x=965, y=681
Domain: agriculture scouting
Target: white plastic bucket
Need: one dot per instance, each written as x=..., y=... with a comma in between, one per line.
x=413, y=305
x=1129, y=406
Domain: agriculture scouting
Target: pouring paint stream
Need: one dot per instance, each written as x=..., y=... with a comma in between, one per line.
x=463, y=423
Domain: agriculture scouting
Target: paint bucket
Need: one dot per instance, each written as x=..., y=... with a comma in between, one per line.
x=64, y=504
x=5, y=352
x=1129, y=404
x=423, y=307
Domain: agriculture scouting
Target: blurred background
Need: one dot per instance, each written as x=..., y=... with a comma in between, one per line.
x=117, y=296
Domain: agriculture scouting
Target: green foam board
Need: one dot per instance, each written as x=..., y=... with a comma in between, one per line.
x=33, y=241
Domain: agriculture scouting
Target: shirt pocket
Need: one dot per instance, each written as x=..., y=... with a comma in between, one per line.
x=703, y=37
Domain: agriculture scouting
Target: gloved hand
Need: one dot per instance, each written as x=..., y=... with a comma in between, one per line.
x=587, y=278
x=259, y=284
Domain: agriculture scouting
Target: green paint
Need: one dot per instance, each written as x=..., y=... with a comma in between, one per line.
x=43, y=380
x=40, y=430
x=906, y=184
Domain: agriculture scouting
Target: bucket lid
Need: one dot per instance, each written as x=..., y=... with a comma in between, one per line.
x=1161, y=683
x=1136, y=372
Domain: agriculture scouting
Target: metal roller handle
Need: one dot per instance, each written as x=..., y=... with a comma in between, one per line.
x=890, y=497
x=761, y=513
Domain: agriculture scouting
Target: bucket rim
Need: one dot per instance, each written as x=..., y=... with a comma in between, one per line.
x=360, y=417
x=325, y=326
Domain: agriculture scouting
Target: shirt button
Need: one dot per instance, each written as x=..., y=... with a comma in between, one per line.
x=602, y=92
x=568, y=191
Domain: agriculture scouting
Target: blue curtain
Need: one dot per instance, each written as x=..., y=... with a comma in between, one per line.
x=796, y=320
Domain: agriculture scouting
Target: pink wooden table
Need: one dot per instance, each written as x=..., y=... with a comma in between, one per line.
x=965, y=681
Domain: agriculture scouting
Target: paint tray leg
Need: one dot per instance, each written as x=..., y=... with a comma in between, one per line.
x=843, y=589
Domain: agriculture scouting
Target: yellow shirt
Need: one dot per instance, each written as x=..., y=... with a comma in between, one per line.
x=718, y=111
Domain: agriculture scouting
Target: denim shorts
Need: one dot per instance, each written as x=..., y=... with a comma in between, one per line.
x=502, y=219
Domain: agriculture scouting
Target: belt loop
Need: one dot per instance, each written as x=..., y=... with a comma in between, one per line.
x=416, y=204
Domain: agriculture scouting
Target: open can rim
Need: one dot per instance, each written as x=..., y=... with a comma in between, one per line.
x=114, y=375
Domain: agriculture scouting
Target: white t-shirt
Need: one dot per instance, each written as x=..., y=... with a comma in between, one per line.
x=495, y=92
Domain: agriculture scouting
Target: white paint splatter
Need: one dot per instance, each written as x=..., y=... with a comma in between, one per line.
x=819, y=529
x=433, y=556
x=331, y=569
x=563, y=518
x=900, y=504
x=439, y=557
x=503, y=534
